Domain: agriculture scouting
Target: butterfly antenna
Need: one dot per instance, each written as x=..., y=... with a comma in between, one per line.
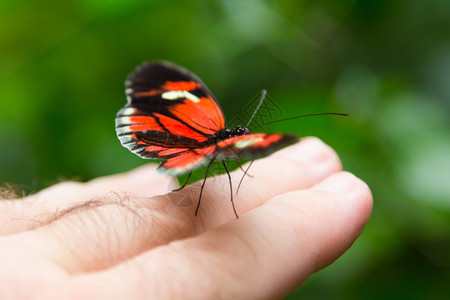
x=298, y=117
x=261, y=100
x=203, y=185
x=245, y=173
x=231, y=188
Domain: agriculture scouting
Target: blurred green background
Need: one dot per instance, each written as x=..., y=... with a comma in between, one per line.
x=387, y=63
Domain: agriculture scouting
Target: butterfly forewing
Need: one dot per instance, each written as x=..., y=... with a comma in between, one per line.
x=168, y=107
x=254, y=145
x=175, y=92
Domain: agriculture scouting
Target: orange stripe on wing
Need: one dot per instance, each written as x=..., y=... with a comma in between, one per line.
x=142, y=123
x=171, y=151
x=220, y=120
x=181, y=85
x=177, y=128
x=183, y=161
x=204, y=116
x=268, y=140
x=206, y=151
x=154, y=148
x=189, y=159
x=265, y=140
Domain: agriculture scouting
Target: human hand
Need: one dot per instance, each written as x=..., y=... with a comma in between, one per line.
x=113, y=237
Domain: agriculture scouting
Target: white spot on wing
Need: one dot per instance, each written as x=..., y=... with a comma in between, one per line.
x=175, y=95
x=127, y=111
x=247, y=143
x=123, y=121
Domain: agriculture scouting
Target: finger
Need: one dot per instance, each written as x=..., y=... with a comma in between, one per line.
x=296, y=167
x=265, y=254
x=143, y=181
x=115, y=229
x=22, y=214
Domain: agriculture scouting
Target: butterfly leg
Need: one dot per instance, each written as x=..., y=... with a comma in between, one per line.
x=231, y=188
x=245, y=173
x=203, y=185
x=184, y=184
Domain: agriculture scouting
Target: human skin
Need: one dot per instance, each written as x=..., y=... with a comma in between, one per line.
x=121, y=236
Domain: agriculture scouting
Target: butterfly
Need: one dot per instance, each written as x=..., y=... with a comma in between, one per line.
x=171, y=115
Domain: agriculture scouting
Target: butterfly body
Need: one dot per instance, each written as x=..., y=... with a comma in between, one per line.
x=171, y=115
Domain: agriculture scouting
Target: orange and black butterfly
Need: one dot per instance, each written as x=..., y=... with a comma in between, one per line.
x=171, y=115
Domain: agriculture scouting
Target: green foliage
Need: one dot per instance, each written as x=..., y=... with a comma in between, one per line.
x=386, y=63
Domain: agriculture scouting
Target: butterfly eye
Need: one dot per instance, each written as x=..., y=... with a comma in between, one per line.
x=238, y=130
x=241, y=130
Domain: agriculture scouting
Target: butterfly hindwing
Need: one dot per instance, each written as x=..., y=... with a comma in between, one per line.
x=253, y=145
x=188, y=160
x=248, y=146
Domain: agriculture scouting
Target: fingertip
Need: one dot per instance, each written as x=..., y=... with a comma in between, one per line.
x=356, y=193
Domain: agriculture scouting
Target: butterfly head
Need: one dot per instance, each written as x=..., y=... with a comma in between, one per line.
x=228, y=133
x=239, y=130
